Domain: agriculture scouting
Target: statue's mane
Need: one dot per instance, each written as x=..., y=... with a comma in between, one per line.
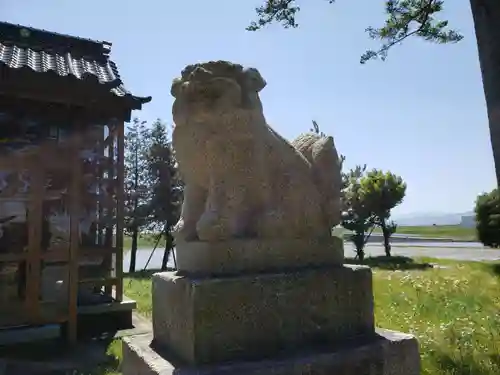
x=215, y=68
x=249, y=80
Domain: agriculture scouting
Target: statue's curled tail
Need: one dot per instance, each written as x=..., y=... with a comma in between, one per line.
x=320, y=151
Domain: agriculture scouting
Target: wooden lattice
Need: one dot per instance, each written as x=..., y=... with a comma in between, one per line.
x=72, y=192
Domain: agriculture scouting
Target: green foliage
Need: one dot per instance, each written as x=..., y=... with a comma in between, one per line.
x=282, y=11
x=165, y=186
x=358, y=216
x=488, y=218
x=404, y=18
x=367, y=201
x=136, y=184
x=152, y=188
x=165, y=192
x=381, y=192
x=407, y=18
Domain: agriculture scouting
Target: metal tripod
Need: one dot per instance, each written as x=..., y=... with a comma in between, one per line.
x=160, y=235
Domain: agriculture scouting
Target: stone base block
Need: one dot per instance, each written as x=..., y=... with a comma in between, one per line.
x=249, y=317
x=236, y=256
x=386, y=353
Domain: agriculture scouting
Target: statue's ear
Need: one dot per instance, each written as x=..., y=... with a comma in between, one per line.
x=254, y=80
x=176, y=85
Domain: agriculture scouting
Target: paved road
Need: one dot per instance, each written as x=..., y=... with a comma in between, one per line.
x=457, y=251
x=477, y=253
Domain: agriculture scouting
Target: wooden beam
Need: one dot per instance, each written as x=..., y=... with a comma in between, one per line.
x=50, y=112
x=17, y=162
x=74, y=212
x=42, y=88
x=56, y=256
x=13, y=257
x=120, y=201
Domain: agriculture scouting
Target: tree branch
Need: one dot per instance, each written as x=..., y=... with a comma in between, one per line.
x=400, y=16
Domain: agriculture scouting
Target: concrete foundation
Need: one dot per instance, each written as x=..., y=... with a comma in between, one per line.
x=385, y=353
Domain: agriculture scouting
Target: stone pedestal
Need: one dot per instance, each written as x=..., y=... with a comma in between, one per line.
x=209, y=320
x=313, y=319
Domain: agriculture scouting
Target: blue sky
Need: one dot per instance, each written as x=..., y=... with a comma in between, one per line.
x=420, y=114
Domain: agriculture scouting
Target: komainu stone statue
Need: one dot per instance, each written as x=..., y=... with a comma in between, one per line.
x=242, y=179
x=254, y=238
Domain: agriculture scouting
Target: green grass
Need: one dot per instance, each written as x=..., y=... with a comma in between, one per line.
x=137, y=286
x=453, y=310
x=114, y=350
x=455, y=232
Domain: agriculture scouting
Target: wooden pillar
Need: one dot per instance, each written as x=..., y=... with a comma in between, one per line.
x=34, y=221
x=110, y=203
x=120, y=202
x=75, y=213
x=100, y=176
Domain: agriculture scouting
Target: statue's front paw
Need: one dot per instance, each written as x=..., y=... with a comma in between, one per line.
x=212, y=227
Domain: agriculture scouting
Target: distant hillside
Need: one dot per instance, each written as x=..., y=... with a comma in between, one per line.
x=428, y=219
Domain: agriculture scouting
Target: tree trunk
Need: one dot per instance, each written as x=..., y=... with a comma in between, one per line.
x=486, y=15
x=359, y=243
x=169, y=242
x=387, y=237
x=133, y=250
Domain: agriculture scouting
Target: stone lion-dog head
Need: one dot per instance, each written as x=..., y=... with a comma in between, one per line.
x=216, y=93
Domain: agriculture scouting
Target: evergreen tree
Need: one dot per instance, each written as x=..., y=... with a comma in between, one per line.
x=136, y=184
x=358, y=216
x=165, y=187
x=382, y=191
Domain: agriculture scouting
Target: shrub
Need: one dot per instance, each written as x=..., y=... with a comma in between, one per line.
x=488, y=218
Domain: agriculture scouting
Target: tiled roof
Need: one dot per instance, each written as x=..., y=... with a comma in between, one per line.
x=40, y=51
